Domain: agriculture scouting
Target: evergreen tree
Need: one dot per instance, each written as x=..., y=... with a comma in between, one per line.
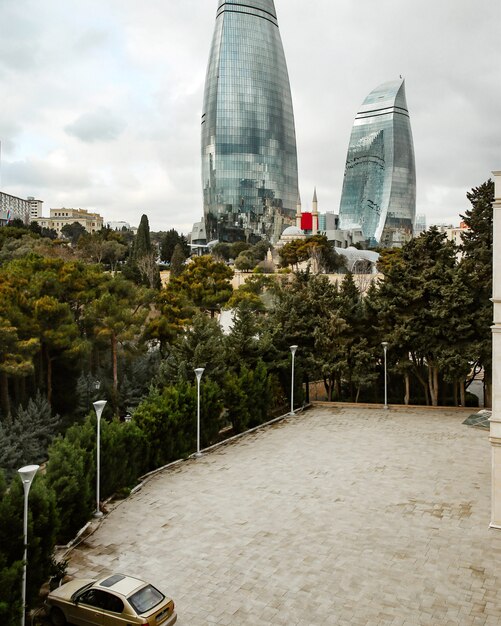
x=177, y=261
x=476, y=267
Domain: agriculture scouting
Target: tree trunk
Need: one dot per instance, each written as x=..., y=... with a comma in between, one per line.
x=4, y=394
x=114, y=363
x=307, y=394
x=487, y=395
x=358, y=394
x=49, y=375
x=433, y=384
x=455, y=392
x=407, y=397
x=462, y=392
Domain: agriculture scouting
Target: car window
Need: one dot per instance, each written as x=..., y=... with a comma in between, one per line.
x=102, y=600
x=91, y=597
x=112, y=603
x=145, y=599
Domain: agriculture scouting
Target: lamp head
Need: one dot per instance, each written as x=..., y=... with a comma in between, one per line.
x=97, y=385
x=384, y=344
x=293, y=349
x=27, y=474
x=99, y=406
x=199, y=371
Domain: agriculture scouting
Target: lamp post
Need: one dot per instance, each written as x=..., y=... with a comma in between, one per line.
x=98, y=407
x=199, y=371
x=385, y=348
x=293, y=352
x=27, y=474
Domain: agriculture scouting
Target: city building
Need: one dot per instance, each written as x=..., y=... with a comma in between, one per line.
x=379, y=188
x=117, y=226
x=419, y=225
x=12, y=207
x=92, y=222
x=249, y=158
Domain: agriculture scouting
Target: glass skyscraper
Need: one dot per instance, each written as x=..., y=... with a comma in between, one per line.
x=379, y=189
x=249, y=159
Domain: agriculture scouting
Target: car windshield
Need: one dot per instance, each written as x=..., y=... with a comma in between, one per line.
x=145, y=599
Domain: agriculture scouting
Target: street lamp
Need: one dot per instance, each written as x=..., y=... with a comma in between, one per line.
x=98, y=407
x=199, y=371
x=385, y=348
x=293, y=351
x=27, y=474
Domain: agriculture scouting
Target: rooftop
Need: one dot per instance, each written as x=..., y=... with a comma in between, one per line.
x=340, y=515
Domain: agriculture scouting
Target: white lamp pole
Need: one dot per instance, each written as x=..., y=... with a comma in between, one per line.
x=385, y=348
x=199, y=371
x=27, y=474
x=98, y=407
x=293, y=351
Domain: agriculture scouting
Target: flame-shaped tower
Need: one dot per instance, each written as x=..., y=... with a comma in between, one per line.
x=379, y=189
x=249, y=158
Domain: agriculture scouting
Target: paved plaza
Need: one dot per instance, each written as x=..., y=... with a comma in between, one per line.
x=340, y=515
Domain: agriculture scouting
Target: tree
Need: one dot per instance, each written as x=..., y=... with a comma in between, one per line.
x=416, y=297
x=169, y=242
x=206, y=283
x=246, y=261
x=16, y=359
x=476, y=267
x=177, y=261
x=73, y=232
x=117, y=317
x=25, y=437
x=142, y=265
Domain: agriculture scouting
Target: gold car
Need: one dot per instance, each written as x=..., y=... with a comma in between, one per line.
x=117, y=600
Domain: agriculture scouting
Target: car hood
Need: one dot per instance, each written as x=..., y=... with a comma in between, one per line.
x=64, y=592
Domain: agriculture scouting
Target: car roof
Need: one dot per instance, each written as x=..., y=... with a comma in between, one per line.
x=122, y=584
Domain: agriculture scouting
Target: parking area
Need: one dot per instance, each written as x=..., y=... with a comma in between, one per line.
x=351, y=516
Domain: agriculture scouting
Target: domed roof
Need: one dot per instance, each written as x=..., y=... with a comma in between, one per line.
x=291, y=231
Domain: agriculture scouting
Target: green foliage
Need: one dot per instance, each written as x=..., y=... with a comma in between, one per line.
x=247, y=397
x=201, y=345
x=316, y=249
x=25, y=438
x=206, y=283
x=177, y=261
x=71, y=475
x=168, y=243
x=168, y=419
x=73, y=232
x=119, y=442
x=42, y=528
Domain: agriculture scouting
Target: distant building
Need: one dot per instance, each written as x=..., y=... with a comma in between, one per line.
x=379, y=189
x=419, y=225
x=12, y=207
x=454, y=233
x=92, y=222
x=117, y=225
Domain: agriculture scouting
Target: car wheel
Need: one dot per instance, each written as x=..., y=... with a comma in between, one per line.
x=57, y=617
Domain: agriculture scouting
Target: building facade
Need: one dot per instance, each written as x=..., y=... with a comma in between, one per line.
x=379, y=188
x=92, y=222
x=12, y=207
x=249, y=158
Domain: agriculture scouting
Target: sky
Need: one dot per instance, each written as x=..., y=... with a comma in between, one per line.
x=101, y=99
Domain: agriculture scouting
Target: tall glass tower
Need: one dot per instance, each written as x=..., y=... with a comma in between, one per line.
x=249, y=158
x=379, y=189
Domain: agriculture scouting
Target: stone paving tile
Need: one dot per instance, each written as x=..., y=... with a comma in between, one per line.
x=351, y=516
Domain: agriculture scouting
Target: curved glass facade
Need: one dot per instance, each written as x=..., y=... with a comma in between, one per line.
x=249, y=159
x=379, y=189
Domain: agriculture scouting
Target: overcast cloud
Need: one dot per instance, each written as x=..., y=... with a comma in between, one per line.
x=101, y=99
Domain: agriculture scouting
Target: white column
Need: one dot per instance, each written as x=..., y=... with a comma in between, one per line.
x=495, y=421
